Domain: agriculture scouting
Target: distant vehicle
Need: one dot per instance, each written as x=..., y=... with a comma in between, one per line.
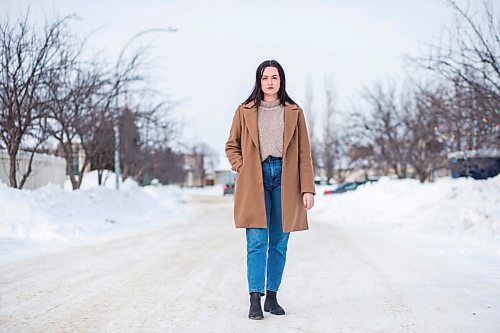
x=228, y=180
x=349, y=186
x=478, y=164
x=228, y=189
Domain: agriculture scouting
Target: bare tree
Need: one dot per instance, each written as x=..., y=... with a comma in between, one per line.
x=469, y=65
x=382, y=123
x=473, y=53
x=361, y=157
x=400, y=132
x=421, y=118
x=47, y=89
x=84, y=103
x=27, y=60
x=73, y=95
x=167, y=165
x=159, y=133
x=97, y=130
x=311, y=125
x=329, y=142
x=409, y=131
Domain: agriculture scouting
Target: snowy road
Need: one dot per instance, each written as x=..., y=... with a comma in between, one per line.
x=190, y=277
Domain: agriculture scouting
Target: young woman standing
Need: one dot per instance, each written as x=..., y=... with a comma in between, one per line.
x=268, y=146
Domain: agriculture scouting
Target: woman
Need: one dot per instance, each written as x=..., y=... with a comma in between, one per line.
x=268, y=146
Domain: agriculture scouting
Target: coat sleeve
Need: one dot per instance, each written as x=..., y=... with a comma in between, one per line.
x=306, y=171
x=233, y=144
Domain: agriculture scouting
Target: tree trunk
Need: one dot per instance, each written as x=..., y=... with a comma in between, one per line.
x=13, y=169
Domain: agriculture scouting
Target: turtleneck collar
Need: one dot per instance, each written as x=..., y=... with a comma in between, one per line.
x=269, y=104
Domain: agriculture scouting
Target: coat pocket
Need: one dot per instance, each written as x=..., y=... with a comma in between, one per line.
x=240, y=168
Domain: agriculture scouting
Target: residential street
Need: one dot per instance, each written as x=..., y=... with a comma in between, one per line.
x=191, y=277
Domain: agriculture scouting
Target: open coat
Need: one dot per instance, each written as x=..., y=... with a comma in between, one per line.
x=297, y=176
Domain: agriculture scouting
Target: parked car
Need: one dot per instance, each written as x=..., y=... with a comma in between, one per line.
x=349, y=186
x=228, y=189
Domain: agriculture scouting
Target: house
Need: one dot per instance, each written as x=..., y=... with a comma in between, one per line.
x=194, y=171
x=78, y=158
x=46, y=169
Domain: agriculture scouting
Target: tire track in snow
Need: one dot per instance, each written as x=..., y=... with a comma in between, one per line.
x=191, y=277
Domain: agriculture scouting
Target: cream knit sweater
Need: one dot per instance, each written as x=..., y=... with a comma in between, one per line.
x=271, y=125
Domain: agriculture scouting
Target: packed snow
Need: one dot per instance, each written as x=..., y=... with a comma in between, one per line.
x=391, y=256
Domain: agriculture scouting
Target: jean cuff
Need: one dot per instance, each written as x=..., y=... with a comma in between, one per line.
x=272, y=290
x=257, y=291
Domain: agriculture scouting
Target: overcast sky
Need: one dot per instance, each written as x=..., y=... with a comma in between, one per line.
x=210, y=62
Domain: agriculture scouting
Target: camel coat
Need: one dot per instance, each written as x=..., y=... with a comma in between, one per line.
x=297, y=177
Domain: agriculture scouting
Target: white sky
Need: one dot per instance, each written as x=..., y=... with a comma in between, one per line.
x=210, y=62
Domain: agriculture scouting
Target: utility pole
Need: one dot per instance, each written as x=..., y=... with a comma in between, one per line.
x=116, y=125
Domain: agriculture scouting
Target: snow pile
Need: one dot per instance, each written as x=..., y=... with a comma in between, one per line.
x=51, y=216
x=108, y=181
x=448, y=208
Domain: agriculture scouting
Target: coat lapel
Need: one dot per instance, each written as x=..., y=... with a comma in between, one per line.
x=291, y=117
x=290, y=113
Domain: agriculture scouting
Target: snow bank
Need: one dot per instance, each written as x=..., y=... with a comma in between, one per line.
x=108, y=181
x=51, y=217
x=446, y=209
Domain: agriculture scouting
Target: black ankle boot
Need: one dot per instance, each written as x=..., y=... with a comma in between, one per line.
x=271, y=304
x=255, y=307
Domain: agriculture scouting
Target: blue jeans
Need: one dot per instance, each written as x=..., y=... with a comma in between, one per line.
x=266, y=247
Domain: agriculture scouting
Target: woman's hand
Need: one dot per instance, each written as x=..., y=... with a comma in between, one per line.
x=308, y=199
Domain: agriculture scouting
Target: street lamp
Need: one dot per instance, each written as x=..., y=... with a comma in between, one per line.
x=117, y=120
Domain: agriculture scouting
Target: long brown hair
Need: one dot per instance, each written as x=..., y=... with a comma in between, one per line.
x=257, y=94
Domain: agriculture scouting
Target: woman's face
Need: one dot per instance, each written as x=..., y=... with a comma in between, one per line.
x=270, y=81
